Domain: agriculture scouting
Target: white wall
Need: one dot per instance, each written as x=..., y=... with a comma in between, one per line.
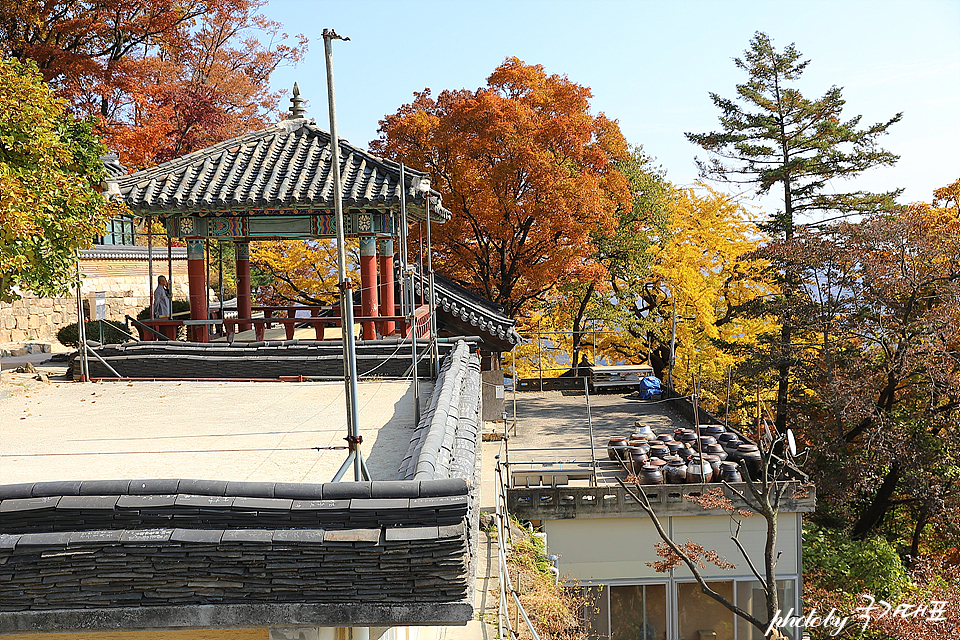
x=602, y=549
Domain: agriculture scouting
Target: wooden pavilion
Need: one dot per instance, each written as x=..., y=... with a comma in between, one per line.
x=277, y=184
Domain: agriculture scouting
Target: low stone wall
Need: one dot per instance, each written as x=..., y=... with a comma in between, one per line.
x=124, y=282
x=32, y=318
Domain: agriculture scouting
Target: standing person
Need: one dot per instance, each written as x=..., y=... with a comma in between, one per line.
x=161, y=299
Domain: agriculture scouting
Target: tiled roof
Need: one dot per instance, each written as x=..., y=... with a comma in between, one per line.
x=285, y=165
x=113, y=548
x=473, y=309
x=445, y=442
x=131, y=252
x=112, y=165
x=249, y=360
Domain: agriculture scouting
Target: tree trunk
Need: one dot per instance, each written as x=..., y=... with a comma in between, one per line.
x=872, y=516
x=577, y=336
x=922, y=518
x=783, y=384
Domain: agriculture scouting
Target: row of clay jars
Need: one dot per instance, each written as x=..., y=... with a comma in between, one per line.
x=636, y=452
x=675, y=471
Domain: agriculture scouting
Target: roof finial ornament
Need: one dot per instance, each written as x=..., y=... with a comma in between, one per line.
x=297, y=110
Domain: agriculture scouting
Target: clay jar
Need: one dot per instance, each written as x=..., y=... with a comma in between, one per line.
x=659, y=451
x=699, y=470
x=716, y=450
x=637, y=459
x=750, y=456
x=730, y=446
x=726, y=437
x=640, y=443
x=616, y=448
x=686, y=452
x=729, y=472
x=665, y=437
x=643, y=430
x=714, y=464
x=707, y=440
x=650, y=474
x=714, y=430
x=674, y=446
x=675, y=472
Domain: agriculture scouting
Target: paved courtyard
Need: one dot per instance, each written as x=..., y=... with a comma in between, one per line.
x=243, y=431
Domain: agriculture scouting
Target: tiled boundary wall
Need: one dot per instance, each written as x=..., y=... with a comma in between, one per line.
x=124, y=281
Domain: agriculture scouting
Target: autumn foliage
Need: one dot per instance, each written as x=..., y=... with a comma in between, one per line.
x=50, y=170
x=526, y=169
x=301, y=271
x=162, y=77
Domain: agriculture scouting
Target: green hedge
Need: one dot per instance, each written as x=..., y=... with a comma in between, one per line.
x=113, y=333
x=854, y=566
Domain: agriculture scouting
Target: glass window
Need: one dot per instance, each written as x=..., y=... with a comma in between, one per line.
x=118, y=230
x=750, y=596
x=701, y=617
x=597, y=612
x=638, y=612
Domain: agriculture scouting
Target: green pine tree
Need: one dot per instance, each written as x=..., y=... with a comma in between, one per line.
x=771, y=135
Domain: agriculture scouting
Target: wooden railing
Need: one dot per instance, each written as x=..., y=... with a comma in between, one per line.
x=321, y=318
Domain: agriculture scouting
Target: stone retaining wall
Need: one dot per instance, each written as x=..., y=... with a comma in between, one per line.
x=124, y=281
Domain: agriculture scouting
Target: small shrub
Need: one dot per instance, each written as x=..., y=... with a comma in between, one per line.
x=854, y=566
x=113, y=333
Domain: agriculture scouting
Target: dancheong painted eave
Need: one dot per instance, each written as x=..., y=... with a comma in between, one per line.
x=285, y=166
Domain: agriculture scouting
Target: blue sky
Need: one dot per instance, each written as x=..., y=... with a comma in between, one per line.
x=650, y=65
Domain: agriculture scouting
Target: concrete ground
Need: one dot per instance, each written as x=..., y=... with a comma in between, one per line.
x=279, y=432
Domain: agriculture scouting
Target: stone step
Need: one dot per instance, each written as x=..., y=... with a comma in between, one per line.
x=15, y=350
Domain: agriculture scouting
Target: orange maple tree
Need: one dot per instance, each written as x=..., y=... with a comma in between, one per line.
x=164, y=77
x=528, y=173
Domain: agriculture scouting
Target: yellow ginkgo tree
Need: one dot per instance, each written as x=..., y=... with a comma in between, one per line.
x=300, y=271
x=707, y=272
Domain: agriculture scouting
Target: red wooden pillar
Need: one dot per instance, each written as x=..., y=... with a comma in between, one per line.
x=368, y=284
x=387, y=305
x=197, y=276
x=244, y=306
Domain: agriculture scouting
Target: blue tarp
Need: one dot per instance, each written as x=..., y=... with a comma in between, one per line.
x=649, y=386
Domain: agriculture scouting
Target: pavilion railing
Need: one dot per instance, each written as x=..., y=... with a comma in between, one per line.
x=320, y=319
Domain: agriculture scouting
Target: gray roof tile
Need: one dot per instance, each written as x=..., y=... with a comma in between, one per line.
x=29, y=504
x=283, y=165
x=247, y=535
x=141, y=536
x=87, y=502
x=351, y=535
x=205, y=536
x=262, y=504
x=312, y=536
x=95, y=537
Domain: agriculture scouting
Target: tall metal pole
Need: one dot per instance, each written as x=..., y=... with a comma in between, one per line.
x=170, y=274
x=82, y=327
x=408, y=291
x=673, y=345
x=150, y=266
x=726, y=410
x=434, y=347
x=346, y=286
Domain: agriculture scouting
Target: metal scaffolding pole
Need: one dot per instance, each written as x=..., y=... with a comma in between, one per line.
x=410, y=306
x=434, y=347
x=346, y=286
